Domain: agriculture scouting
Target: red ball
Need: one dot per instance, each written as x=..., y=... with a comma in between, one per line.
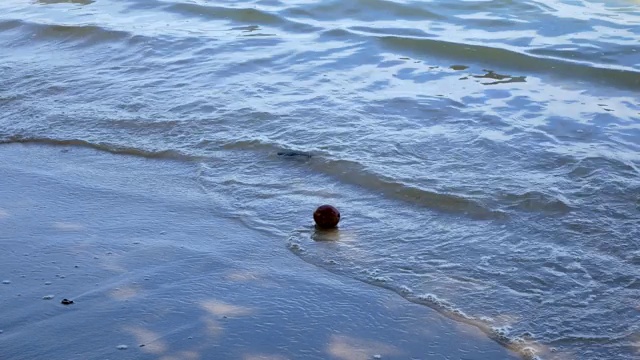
x=326, y=216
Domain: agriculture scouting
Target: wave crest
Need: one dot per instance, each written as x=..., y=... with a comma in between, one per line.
x=110, y=148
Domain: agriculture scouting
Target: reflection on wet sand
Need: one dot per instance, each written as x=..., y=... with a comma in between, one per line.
x=219, y=308
x=351, y=348
x=149, y=341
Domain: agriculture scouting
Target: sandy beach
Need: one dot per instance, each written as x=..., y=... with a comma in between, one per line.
x=154, y=272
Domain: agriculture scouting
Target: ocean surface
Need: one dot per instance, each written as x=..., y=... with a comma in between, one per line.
x=485, y=155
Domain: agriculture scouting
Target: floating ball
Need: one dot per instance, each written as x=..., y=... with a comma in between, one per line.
x=326, y=216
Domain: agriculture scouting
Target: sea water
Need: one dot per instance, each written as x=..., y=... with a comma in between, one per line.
x=484, y=154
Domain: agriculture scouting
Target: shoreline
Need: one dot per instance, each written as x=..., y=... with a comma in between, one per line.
x=157, y=272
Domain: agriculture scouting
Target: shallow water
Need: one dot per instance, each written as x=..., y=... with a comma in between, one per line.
x=484, y=154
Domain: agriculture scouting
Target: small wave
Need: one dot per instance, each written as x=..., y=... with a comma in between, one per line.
x=251, y=15
x=10, y=24
x=507, y=58
x=590, y=166
x=537, y=201
x=90, y=34
x=79, y=2
x=399, y=9
x=248, y=15
x=253, y=144
x=110, y=148
x=528, y=349
x=354, y=173
x=364, y=10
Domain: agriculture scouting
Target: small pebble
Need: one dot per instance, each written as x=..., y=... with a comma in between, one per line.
x=377, y=356
x=48, y=297
x=1, y=331
x=6, y=281
x=122, y=347
x=48, y=283
x=76, y=266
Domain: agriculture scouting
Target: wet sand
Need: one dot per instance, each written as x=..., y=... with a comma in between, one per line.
x=155, y=272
